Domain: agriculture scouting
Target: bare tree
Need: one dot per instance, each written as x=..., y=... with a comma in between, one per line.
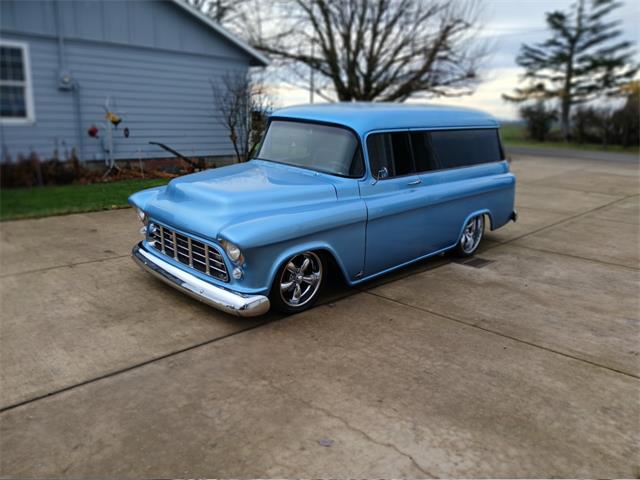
x=225, y=12
x=243, y=107
x=385, y=50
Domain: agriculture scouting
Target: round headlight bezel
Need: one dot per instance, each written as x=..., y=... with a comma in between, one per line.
x=237, y=273
x=233, y=252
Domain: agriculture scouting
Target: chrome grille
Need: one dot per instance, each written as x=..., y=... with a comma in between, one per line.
x=191, y=252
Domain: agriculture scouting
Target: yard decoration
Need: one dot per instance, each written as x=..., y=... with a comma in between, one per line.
x=107, y=141
x=93, y=131
x=113, y=118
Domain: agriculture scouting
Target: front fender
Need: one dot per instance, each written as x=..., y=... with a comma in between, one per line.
x=142, y=198
x=293, y=250
x=267, y=241
x=283, y=225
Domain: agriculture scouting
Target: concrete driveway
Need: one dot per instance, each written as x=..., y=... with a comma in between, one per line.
x=526, y=364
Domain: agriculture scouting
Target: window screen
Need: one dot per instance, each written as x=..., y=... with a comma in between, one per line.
x=461, y=148
x=391, y=151
x=13, y=84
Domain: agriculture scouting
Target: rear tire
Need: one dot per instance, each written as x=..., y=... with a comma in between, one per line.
x=471, y=237
x=298, y=283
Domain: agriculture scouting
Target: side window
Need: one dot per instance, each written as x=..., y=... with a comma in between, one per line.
x=391, y=151
x=462, y=148
x=423, y=154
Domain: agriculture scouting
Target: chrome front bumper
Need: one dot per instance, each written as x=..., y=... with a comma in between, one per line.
x=217, y=297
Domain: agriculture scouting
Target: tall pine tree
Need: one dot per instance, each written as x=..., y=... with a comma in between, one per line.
x=583, y=60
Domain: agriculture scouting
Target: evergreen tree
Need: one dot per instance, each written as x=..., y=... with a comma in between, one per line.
x=583, y=60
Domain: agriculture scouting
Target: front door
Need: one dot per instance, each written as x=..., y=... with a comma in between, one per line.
x=395, y=229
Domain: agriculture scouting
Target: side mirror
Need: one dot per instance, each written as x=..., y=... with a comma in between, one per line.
x=382, y=173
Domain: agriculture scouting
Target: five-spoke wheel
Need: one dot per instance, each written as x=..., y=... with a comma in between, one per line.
x=471, y=236
x=298, y=282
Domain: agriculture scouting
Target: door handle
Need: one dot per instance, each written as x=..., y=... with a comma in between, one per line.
x=415, y=182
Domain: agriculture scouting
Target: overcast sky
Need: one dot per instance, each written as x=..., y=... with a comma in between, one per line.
x=508, y=24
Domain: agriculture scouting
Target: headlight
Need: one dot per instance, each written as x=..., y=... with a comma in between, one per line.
x=141, y=215
x=233, y=251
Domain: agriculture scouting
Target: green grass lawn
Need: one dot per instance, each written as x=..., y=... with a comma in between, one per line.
x=513, y=134
x=45, y=201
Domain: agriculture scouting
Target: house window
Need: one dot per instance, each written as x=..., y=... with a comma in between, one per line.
x=16, y=98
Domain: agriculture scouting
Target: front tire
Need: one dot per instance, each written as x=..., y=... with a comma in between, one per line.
x=471, y=237
x=298, y=283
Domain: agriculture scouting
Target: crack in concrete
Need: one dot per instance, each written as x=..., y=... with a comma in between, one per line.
x=361, y=432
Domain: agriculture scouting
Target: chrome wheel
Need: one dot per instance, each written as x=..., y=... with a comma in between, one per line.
x=301, y=279
x=472, y=234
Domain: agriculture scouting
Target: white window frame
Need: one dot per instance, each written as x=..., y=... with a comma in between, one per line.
x=28, y=85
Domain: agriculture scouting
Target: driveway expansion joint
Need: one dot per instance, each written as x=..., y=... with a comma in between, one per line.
x=515, y=339
x=577, y=257
x=560, y=222
x=66, y=265
x=133, y=367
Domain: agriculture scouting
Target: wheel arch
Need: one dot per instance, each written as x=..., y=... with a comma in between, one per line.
x=332, y=259
x=485, y=211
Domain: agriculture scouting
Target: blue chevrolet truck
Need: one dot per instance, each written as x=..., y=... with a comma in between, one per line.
x=364, y=188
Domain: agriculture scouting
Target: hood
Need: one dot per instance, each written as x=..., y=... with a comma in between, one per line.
x=204, y=203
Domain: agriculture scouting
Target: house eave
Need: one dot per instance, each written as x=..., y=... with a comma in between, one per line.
x=257, y=59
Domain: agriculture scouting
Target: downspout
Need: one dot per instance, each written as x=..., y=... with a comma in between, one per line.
x=76, y=101
x=66, y=82
x=62, y=60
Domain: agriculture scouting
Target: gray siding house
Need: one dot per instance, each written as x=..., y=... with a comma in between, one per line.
x=65, y=63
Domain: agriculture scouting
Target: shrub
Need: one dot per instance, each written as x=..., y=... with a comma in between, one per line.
x=539, y=120
x=32, y=172
x=601, y=125
x=586, y=124
x=625, y=122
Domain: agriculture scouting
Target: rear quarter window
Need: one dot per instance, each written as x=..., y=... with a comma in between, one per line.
x=461, y=148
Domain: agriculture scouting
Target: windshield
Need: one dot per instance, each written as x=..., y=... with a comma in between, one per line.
x=310, y=145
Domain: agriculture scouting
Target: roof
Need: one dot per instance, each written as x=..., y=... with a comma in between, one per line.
x=364, y=117
x=258, y=59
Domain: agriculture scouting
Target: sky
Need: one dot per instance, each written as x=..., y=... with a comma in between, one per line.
x=506, y=24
